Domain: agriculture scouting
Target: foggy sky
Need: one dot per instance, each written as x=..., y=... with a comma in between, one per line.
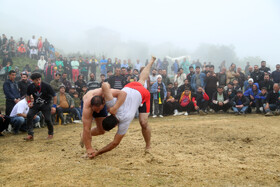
x=252, y=26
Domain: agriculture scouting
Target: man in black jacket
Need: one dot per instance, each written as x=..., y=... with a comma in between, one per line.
x=211, y=82
x=23, y=84
x=220, y=100
x=273, y=101
x=257, y=75
x=264, y=69
x=267, y=83
x=240, y=103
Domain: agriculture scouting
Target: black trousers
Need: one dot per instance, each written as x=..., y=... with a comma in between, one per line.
x=168, y=108
x=202, y=104
x=60, y=112
x=210, y=92
x=217, y=107
x=151, y=103
x=46, y=111
x=189, y=108
x=4, y=123
x=9, y=106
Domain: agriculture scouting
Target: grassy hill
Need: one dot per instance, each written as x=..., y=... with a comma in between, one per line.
x=20, y=63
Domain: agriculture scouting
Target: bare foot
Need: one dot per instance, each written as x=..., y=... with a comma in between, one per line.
x=50, y=137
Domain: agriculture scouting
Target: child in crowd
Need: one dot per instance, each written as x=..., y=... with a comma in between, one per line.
x=77, y=102
x=159, y=94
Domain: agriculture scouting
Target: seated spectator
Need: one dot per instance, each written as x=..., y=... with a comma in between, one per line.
x=4, y=123
x=159, y=92
x=248, y=84
x=77, y=102
x=65, y=104
x=220, y=100
x=240, y=76
x=189, y=76
x=37, y=70
x=23, y=84
x=240, y=103
x=251, y=95
x=273, y=101
x=84, y=91
x=56, y=83
x=170, y=105
x=230, y=91
x=117, y=81
x=183, y=87
x=175, y=90
x=18, y=116
x=222, y=77
x=201, y=100
x=236, y=85
x=267, y=83
x=92, y=83
x=260, y=100
x=187, y=102
x=21, y=50
x=72, y=90
x=257, y=75
x=102, y=78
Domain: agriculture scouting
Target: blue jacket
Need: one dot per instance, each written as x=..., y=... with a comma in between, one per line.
x=193, y=81
x=11, y=90
x=250, y=91
x=154, y=89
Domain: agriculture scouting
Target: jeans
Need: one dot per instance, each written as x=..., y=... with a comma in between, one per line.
x=46, y=111
x=78, y=112
x=158, y=107
x=271, y=107
x=60, y=112
x=19, y=123
x=242, y=110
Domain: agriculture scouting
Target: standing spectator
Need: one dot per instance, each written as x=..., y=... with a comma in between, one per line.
x=5, y=61
x=211, y=81
x=231, y=73
x=59, y=62
x=117, y=81
x=222, y=77
x=220, y=100
x=109, y=65
x=257, y=75
x=18, y=116
x=67, y=68
x=175, y=90
x=276, y=74
x=33, y=43
x=182, y=88
x=7, y=69
x=250, y=71
x=55, y=84
x=267, y=83
x=49, y=71
x=33, y=53
x=66, y=82
x=21, y=51
x=240, y=76
x=46, y=46
x=11, y=92
x=84, y=69
x=264, y=69
x=65, y=104
x=75, y=69
x=272, y=101
x=124, y=64
x=180, y=77
x=247, y=68
x=93, y=64
x=117, y=63
x=129, y=63
x=165, y=64
x=42, y=94
x=41, y=63
x=153, y=79
x=27, y=69
x=80, y=83
x=23, y=84
x=197, y=79
x=137, y=65
x=165, y=78
x=189, y=76
x=159, y=92
x=40, y=44
x=175, y=67
x=240, y=103
x=185, y=64
x=103, y=63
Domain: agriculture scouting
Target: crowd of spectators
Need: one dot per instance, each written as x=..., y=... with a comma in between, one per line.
x=177, y=86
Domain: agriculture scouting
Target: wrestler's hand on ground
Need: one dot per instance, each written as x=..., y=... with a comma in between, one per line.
x=91, y=153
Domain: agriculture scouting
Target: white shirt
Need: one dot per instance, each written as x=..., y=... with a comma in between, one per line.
x=127, y=111
x=41, y=64
x=180, y=79
x=20, y=108
x=137, y=66
x=33, y=42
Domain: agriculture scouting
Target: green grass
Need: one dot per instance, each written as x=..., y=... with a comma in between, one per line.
x=19, y=62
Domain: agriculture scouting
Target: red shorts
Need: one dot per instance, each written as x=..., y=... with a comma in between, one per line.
x=145, y=107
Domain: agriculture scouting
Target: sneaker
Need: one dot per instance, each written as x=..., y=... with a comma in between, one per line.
x=268, y=114
x=176, y=112
x=154, y=116
x=160, y=116
x=186, y=114
x=29, y=138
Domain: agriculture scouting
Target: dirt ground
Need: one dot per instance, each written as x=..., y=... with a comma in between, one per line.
x=213, y=150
